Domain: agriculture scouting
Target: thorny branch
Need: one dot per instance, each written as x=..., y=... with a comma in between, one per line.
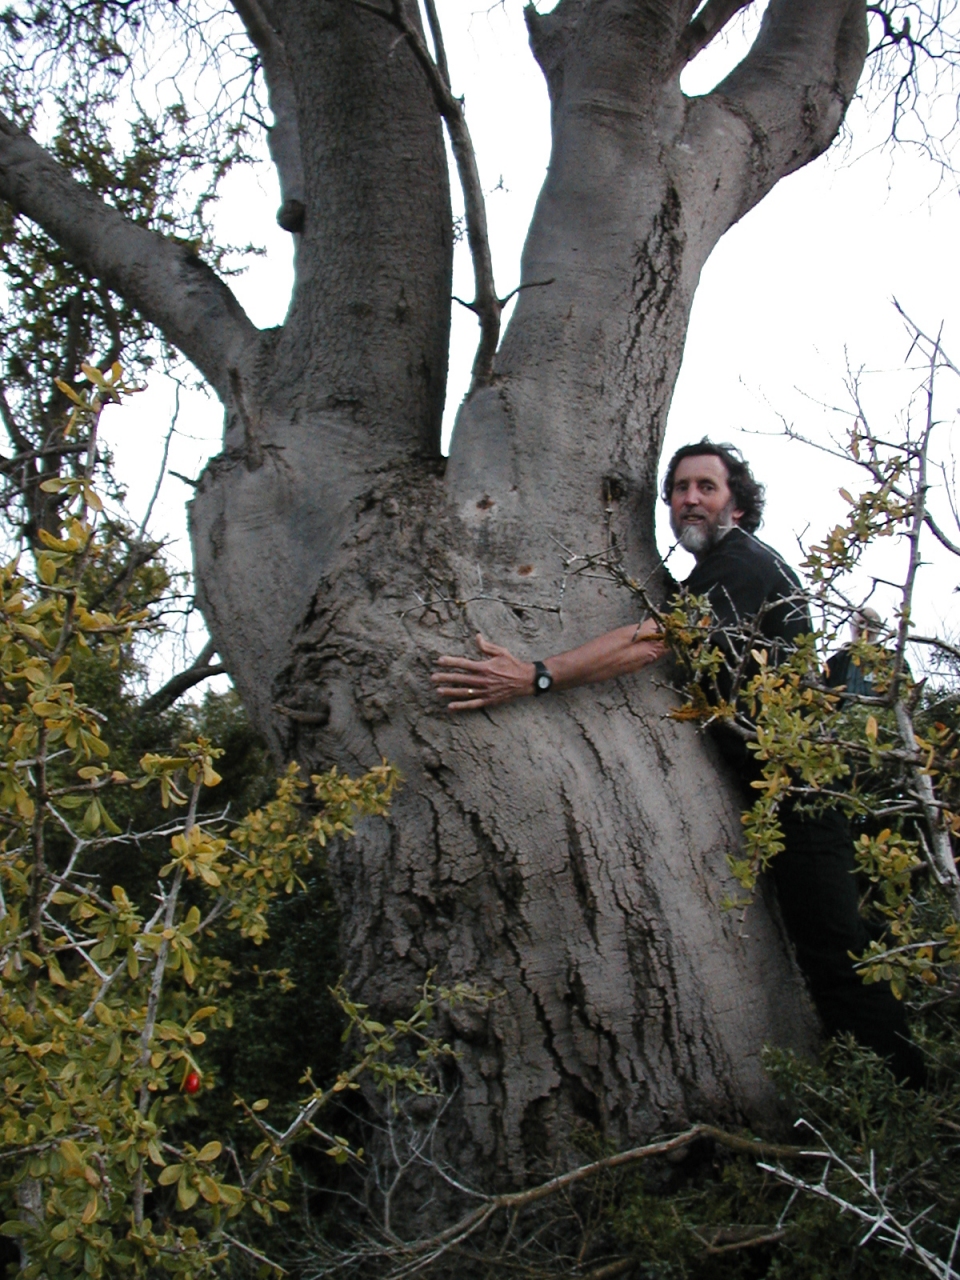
x=871, y=1208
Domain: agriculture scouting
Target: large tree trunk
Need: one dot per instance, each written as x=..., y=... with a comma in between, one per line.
x=568, y=852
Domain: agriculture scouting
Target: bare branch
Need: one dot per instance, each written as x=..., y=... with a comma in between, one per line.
x=200, y=669
x=436, y=33
x=940, y=536
x=410, y=1257
x=141, y=532
x=283, y=137
x=871, y=1207
x=936, y=642
x=164, y=280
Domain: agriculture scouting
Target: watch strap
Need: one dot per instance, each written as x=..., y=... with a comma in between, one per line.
x=542, y=679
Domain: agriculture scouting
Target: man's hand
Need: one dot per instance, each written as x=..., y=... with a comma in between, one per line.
x=471, y=684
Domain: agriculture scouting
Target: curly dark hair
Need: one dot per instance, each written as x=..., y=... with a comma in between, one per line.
x=747, y=493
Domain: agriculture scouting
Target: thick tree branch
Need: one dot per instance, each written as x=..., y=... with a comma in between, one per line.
x=708, y=23
x=486, y=305
x=794, y=86
x=200, y=669
x=283, y=137
x=164, y=280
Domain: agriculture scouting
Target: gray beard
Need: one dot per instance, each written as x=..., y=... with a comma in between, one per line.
x=698, y=538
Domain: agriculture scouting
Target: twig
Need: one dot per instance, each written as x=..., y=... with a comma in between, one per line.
x=254, y=1253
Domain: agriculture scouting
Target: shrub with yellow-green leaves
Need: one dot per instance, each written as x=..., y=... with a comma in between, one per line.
x=106, y=1000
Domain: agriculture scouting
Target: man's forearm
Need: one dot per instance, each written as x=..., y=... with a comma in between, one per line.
x=617, y=653
x=498, y=677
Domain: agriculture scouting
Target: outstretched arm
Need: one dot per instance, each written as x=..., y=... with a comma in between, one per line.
x=470, y=684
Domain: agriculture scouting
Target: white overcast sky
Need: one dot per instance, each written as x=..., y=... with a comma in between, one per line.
x=799, y=289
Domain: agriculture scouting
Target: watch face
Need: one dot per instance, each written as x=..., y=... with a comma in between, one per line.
x=544, y=682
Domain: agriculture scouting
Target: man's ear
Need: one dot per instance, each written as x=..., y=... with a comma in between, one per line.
x=736, y=516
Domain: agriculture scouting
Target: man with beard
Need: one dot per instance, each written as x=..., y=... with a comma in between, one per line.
x=715, y=508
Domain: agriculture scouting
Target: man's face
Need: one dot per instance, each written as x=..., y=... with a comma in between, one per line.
x=701, y=505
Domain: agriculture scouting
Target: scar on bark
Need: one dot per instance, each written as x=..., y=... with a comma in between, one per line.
x=253, y=448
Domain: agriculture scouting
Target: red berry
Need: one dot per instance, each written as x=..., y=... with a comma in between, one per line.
x=191, y=1082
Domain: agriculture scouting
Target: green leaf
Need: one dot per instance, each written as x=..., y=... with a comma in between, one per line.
x=91, y=819
x=187, y=1195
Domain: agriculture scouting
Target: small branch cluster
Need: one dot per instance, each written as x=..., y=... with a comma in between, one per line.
x=866, y=1199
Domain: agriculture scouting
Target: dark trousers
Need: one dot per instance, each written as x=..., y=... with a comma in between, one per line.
x=817, y=891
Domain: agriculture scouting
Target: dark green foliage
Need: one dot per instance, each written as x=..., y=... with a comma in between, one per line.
x=853, y=1103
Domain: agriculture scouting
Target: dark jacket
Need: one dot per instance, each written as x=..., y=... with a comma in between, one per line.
x=741, y=575
x=742, y=578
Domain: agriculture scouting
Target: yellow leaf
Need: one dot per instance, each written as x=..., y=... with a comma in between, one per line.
x=261, y=1104
x=49, y=540
x=210, y=1151
x=68, y=391
x=209, y=1189
x=169, y=1174
x=90, y=1212
x=47, y=568
x=71, y=1154
x=871, y=728
x=187, y=1196
x=91, y=497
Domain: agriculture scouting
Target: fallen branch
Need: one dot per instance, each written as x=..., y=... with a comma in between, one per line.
x=416, y=1256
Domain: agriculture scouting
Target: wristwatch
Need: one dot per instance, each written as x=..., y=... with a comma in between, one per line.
x=542, y=679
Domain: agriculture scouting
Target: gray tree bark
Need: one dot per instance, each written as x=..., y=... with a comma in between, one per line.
x=568, y=852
